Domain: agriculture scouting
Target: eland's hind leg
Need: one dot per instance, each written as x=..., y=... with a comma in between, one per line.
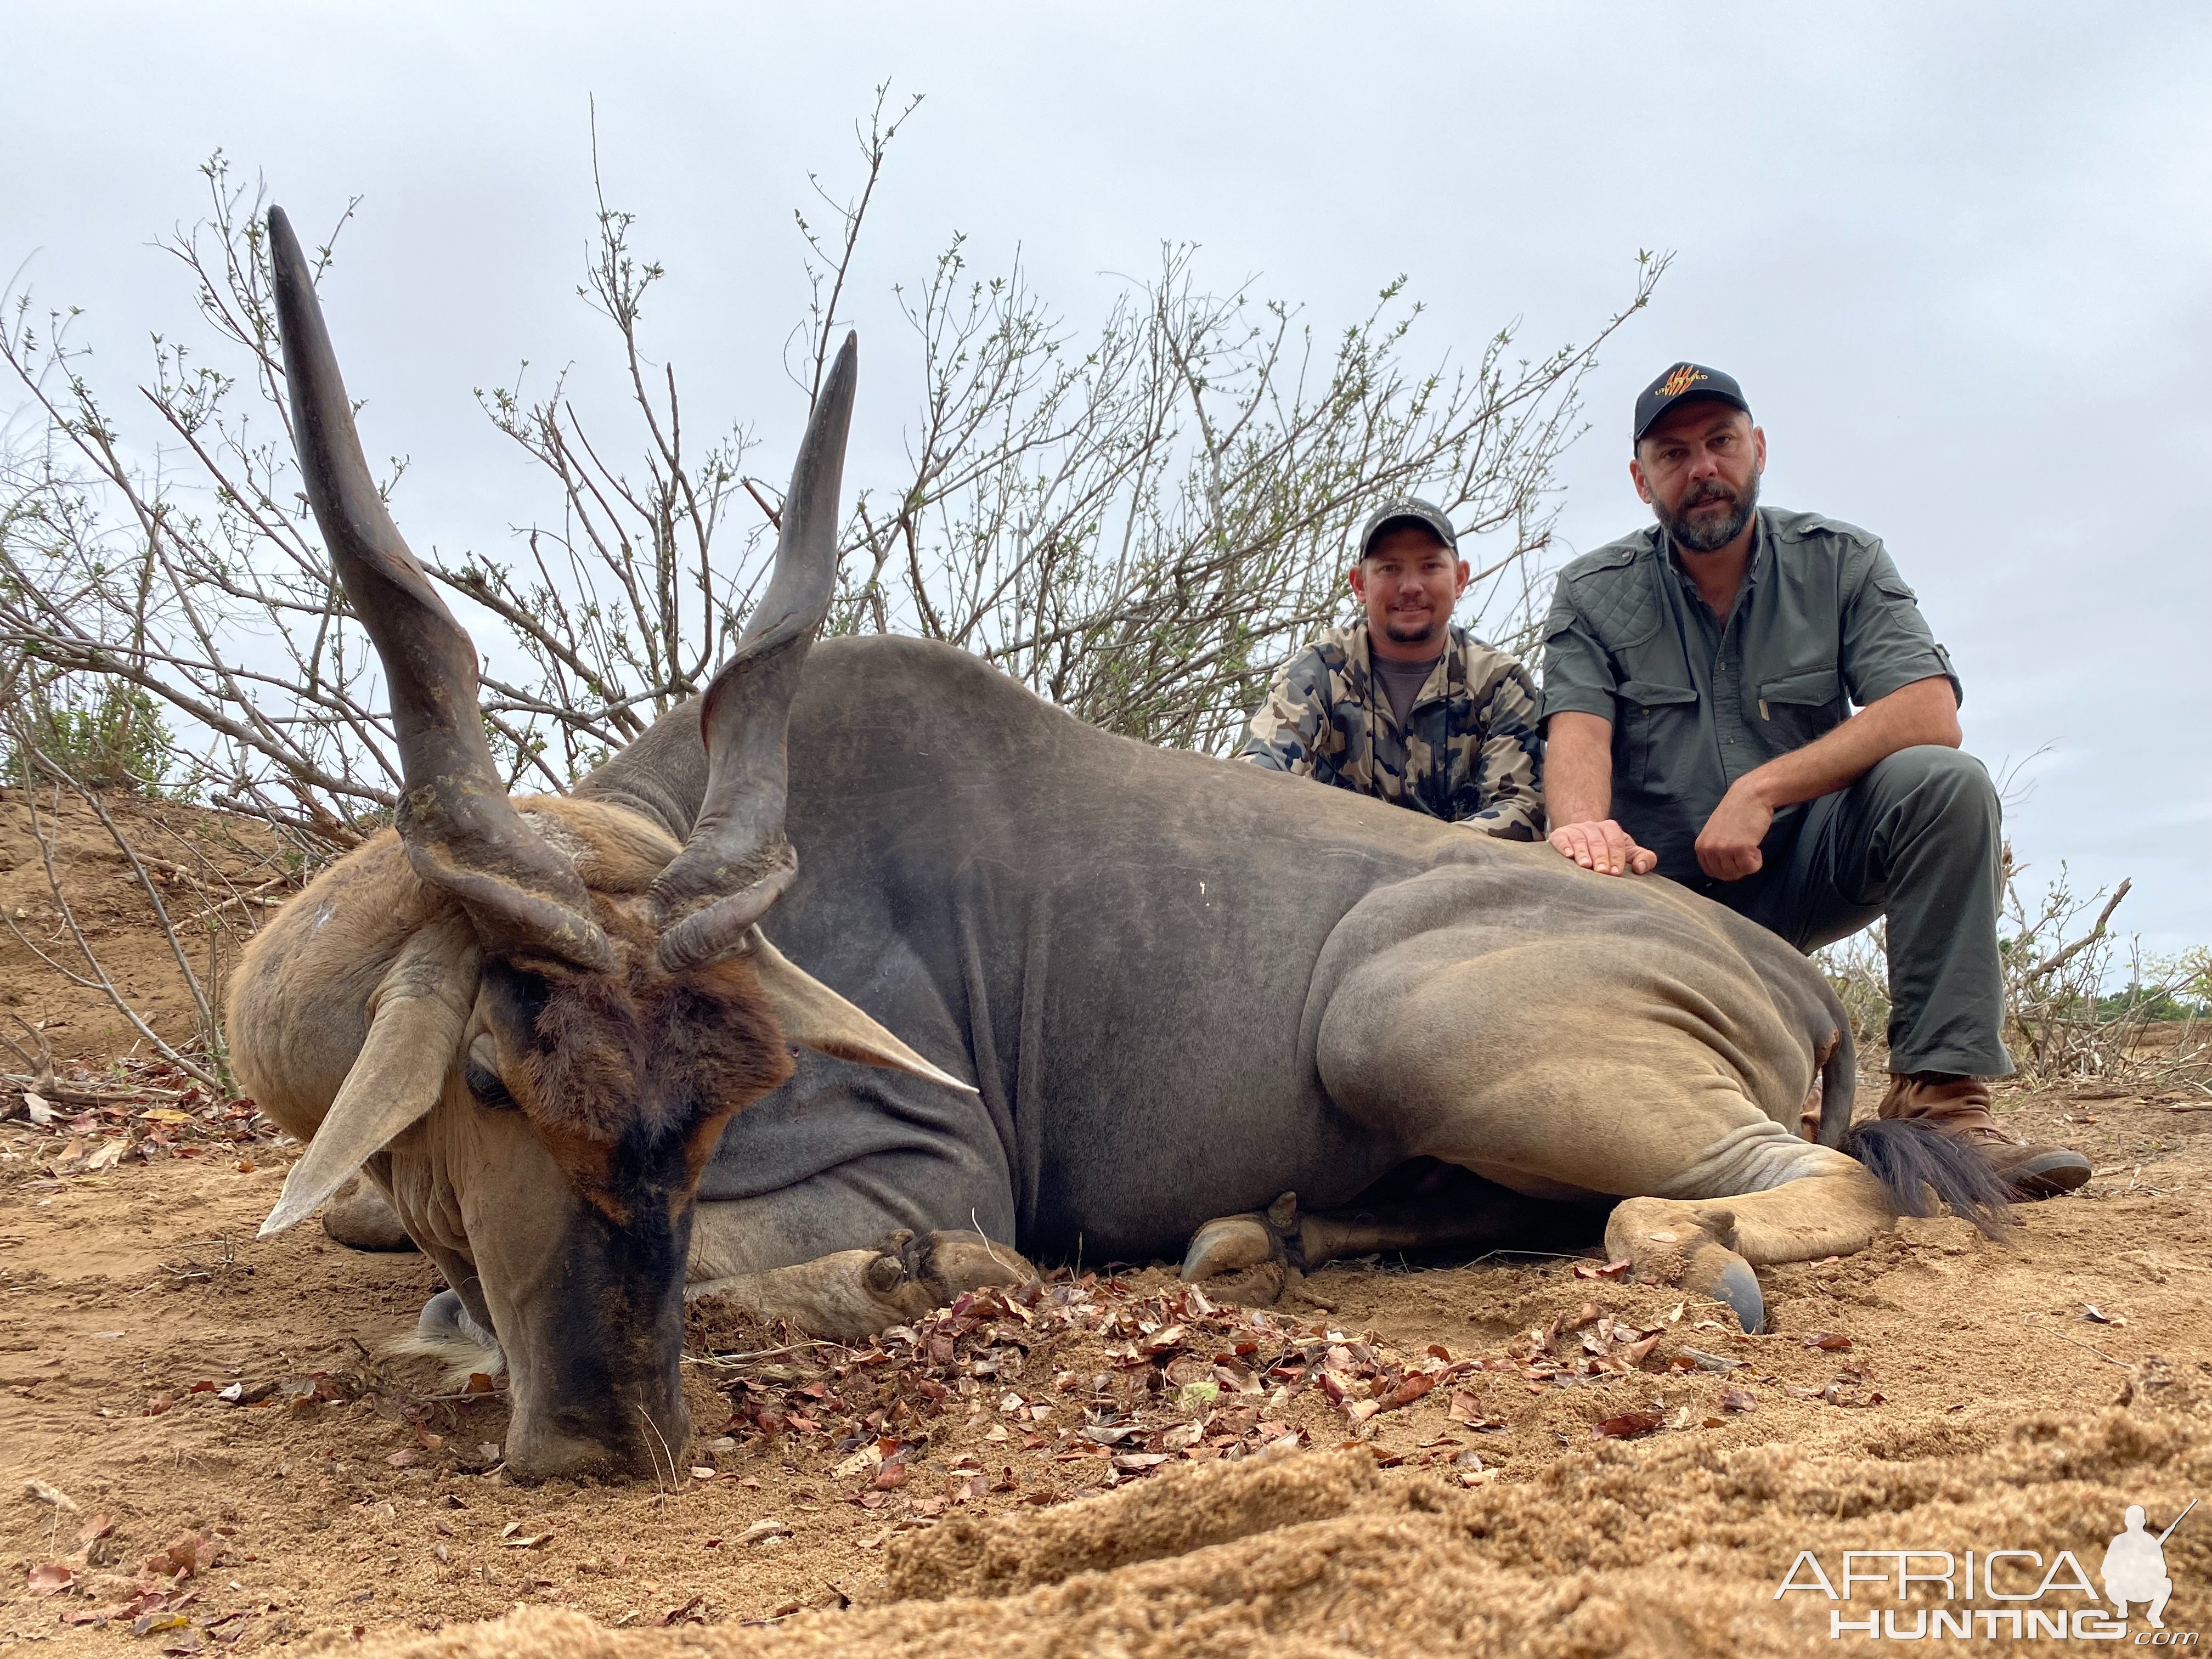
x=1682, y=1098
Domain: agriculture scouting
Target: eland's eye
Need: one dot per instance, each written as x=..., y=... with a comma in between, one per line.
x=485, y=1086
x=480, y=1071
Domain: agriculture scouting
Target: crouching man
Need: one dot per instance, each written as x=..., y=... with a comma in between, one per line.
x=1698, y=679
x=1402, y=705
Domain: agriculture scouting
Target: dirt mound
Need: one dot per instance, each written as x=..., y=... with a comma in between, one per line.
x=1672, y=1552
x=216, y=875
x=1206, y=1506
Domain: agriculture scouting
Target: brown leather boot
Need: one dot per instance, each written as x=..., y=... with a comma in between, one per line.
x=1960, y=1106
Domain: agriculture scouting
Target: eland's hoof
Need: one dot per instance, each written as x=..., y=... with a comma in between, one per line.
x=449, y=1334
x=1727, y=1277
x=1229, y=1245
x=445, y=1315
x=1236, y=1244
x=1691, y=1245
x=949, y=1263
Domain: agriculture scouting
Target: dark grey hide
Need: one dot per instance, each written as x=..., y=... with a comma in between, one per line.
x=1129, y=950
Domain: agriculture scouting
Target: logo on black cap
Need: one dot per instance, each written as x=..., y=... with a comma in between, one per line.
x=1685, y=380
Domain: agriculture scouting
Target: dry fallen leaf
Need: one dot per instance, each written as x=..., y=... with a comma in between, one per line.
x=1627, y=1426
x=1832, y=1340
x=1133, y=1462
x=1739, y=1400
x=187, y=1556
x=1412, y=1388
x=1609, y=1270
x=1708, y=1362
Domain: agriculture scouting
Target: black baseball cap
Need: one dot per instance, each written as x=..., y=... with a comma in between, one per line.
x=1680, y=384
x=1404, y=510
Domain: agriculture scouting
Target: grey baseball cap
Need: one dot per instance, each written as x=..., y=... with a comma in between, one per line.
x=1407, y=510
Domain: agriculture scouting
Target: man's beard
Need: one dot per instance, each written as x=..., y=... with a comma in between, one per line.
x=1409, y=633
x=1715, y=532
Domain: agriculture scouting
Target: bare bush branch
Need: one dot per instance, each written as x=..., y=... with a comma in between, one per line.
x=212, y=1076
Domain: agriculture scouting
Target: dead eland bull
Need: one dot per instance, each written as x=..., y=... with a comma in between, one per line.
x=1162, y=990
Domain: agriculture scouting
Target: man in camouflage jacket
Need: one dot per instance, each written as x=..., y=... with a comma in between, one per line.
x=1429, y=718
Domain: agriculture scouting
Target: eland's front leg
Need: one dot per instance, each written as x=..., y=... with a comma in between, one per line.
x=850, y=1296
x=1420, y=1206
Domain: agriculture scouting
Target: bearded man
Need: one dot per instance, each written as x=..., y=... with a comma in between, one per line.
x=1403, y=705
x=1699, y=682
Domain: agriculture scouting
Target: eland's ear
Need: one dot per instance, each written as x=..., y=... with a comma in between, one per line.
x=815, y=1017
x=415, y=1022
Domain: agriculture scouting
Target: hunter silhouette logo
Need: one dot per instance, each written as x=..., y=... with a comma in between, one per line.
x=1680, y=380
x=2135, y=1567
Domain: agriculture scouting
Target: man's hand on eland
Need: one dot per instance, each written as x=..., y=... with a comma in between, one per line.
x=1605, y=847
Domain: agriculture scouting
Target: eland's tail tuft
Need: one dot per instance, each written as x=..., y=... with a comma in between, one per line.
x=1915, y=1161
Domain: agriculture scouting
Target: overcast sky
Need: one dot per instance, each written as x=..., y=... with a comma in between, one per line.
x=1960, y=257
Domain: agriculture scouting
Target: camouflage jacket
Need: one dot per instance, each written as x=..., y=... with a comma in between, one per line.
x=1470, y=754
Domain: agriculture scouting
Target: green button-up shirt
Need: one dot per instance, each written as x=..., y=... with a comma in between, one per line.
x=1823, y=621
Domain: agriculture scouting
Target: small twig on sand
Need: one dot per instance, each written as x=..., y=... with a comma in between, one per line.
x=75, y=1094
x=726, y=1359
x=2093, y=1349
x=986, y=1238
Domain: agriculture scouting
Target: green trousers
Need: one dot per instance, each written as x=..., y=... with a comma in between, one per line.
x=1917, y=840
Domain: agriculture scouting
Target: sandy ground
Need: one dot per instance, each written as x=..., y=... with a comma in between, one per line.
x=200, y=1449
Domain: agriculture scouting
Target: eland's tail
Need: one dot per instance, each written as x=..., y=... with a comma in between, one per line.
x=1925, y=1172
